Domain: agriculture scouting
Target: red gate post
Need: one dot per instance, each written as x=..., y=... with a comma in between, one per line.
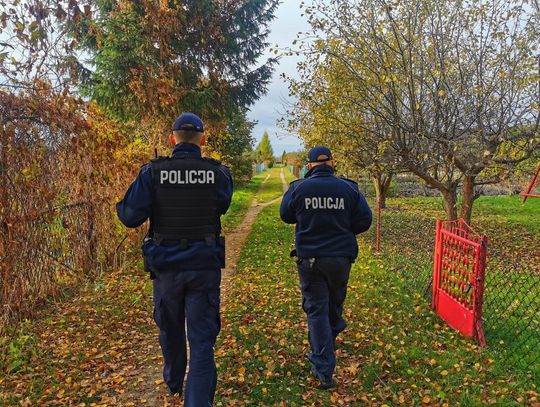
x=527, y=192
x=436, y=263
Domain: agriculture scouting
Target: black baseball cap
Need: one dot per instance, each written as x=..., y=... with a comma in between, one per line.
x=188, y=121
x=317, y=151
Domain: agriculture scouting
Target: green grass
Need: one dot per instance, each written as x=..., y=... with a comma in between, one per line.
x=273, y=188
x=512, y=297
x=241, y=201
x=260, y=332
x=394, y=351
x=244, y=195
x=289, y=176
x=510, y=209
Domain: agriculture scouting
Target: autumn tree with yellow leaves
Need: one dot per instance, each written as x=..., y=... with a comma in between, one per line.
x=449, y=89
x=88, y=89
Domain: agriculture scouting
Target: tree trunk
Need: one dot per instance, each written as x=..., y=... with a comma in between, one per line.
x=382, y=185
x=468, y=196
x=448, y=191
x=450, y=206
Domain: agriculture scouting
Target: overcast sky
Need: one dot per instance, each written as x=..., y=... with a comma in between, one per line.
x=269, y=108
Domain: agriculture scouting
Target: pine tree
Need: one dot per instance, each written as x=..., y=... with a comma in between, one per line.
x=264, y=151
x=155, y=59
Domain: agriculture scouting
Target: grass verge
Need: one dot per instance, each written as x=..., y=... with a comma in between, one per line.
x=395, y=351
x=273, y=188
x=241, y=201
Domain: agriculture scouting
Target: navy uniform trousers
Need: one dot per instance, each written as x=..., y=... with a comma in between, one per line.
x=323, y=282
x=188, y=298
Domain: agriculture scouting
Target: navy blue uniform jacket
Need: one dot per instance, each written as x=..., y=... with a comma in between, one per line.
x=136, y=208
x=328, y=211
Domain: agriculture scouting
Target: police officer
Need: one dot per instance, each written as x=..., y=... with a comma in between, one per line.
x=184, y=196
x=328, y=212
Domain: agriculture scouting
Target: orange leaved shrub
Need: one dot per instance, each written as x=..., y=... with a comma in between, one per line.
x=63, y=165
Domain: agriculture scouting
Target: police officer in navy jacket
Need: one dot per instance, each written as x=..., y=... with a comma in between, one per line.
x=328, y=211
x=184, y=196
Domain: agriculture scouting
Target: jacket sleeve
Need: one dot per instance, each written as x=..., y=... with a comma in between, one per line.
x=287, y=211
x=136, y=206
x=361, y=215
x=225, y=190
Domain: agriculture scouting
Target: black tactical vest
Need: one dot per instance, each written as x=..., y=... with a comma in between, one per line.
x=184, y=205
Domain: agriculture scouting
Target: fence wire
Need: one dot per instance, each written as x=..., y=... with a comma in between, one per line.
x=511, y=316
x=58, y=184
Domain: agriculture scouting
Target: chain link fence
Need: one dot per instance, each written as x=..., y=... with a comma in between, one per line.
x=512, y=292
x=58, y=185
x=46, y=251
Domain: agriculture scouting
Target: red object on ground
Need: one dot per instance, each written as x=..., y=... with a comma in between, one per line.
x=534, y=180
x=459, y=266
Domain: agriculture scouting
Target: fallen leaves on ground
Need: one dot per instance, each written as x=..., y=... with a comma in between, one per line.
x=100, y=348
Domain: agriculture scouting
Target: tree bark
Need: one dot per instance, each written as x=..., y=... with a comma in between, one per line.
x=448, y=191
x=450, y=206
x=382, y=185
x=468, y=196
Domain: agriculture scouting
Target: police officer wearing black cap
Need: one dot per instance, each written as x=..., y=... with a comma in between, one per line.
x=184, y=196
x=328, y=211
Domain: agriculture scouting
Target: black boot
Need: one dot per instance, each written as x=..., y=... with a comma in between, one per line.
x=324, y=383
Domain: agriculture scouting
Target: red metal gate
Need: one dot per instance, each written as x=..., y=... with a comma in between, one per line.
x=459, y=276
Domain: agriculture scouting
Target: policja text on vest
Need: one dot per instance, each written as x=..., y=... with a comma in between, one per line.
x=186, y=176
x=324, y=203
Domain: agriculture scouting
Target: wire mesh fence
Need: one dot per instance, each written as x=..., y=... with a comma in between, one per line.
x=58, y=184
x=53, y=247
x=53, y=251
x=511, y=316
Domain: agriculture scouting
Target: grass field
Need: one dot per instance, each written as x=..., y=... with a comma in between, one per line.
x=512, y=301
x=241, y=201
x=395, y=350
